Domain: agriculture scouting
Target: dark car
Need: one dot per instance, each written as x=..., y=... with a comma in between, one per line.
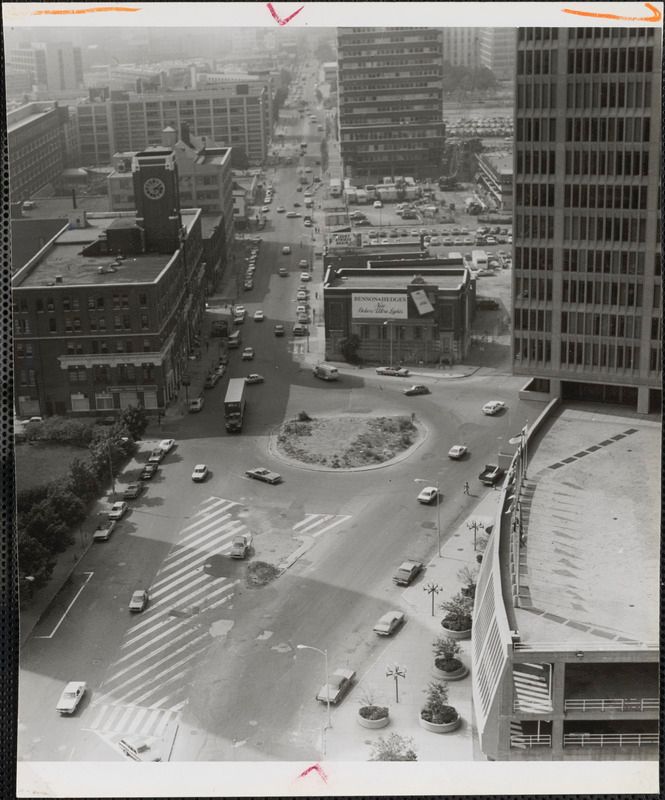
x=406, y=572
x=417, y=388
x=149, y=471
x=262, y=474
x=132, y=491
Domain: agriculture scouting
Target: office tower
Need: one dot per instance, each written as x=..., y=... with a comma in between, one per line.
x=587, y=283
x=54, y=67
x=390, y=101
x=460, y=47
x=496, y=51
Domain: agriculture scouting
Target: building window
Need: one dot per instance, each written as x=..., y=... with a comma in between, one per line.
x=104, y=402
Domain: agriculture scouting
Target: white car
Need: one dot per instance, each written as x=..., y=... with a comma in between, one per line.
x=166, y=445
x=118, y=510
x=247, y=354
x=280, y=210
x=240, y=311
x=396, y=372
x=389, y=623
x=265, y=209
x=493, y=407
x=305, y=276
x=457, y=451
x=338, y=685
x=428, y=494
x=71, y=696
x=200, y=473
x=259, y=316
x=378, y=204
x=303, y=264
x=254, y=378
x=286, y=250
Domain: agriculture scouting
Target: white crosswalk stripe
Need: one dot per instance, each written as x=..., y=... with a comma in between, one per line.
x=131, y=719
x=316, y=524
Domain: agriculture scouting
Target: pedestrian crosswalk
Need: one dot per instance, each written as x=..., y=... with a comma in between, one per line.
x=148, y=684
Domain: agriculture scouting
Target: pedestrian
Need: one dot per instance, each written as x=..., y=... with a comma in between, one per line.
x=466, y=487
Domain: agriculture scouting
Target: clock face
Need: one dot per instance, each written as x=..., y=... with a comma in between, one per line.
x=154, y=188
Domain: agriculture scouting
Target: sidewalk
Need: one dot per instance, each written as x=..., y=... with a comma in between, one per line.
x=411, y=650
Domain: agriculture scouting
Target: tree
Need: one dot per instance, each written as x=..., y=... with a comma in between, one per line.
x=393, y=748
x=82, y=479
x=319, y=95
x=239, y=158
x=135, y=420
x=35, y=562
x=65, y=505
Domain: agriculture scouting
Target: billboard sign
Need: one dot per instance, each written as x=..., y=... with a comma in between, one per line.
x=376, y=305
x=422, y=301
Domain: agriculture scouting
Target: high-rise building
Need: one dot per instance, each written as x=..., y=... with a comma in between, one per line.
x=587, y=264
x=496, y=51
x=460, y=47
x=236, y=114
x=53, y=67
x=390, y=101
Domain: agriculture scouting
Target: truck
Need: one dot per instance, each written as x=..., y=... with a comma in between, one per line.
x=491, y=474
x=234, y=405
x=335, y=187
x=241, y=545
x=479, y=259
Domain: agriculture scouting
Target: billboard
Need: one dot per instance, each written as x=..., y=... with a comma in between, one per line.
x=375, y=304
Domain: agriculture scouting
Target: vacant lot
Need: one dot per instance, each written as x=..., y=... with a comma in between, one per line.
x=41, y=463
x=344, y=442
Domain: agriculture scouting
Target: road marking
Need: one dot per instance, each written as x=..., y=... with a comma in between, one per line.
x=110, y=718
x=215, y=524
x=220, y=602
x=313, y=521
x=62, y=618
x=171, y=590
x=158, y=663
x=207, y=515
x=156, y=688
x=179, y=624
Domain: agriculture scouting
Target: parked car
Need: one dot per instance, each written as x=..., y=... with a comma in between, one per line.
x=211, y=380
x=241, y=545
x=149, y=471
x=397, y=372
x=286, y=250
x=166, y=445
x=156, y=456
x=259, y=316
x=338, y=685
x=140, y=748
x=406, y=572
x=280, y=209
x=133, y=491
x=428, y=495
x=247, y=354
x=283, y=272
x=139, y=601
x=104, y=531
x=196, y=404
x=305, y=276
x=491, y=474
x=118, y=510
x=254, y=378
x=300, y=330
x=457, y=451
x=71, y=696
x=493, y=407
x=378, y=204
x=389, y=623
x=278, y=329
x=200, y=473
x=417, y=388
x=263, y=474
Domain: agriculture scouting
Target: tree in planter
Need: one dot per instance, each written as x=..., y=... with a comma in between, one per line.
x=393, y=748
x=468, y=578
x=369, y=709
x=458, y=613
x=436, y=708
x=446, y=652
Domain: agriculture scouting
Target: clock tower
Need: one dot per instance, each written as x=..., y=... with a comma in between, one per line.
x=155, y=176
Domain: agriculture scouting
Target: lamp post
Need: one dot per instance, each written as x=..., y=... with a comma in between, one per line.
x=396, y=672
x=324, y=653
x=438, y=510
x=388, y=322
x=432, y=589
x=475, y=526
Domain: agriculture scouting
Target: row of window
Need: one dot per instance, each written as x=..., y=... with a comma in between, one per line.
x=603, y=95
x=594, y=162
x=532, y=319
x=533, y=288
x=589, y=195
x=604, y=129
x=535, y=162
x=538, y=226
x=535, y=194
x=536, y=95
x=584, y=324
x=536, y=62
x=616, y=262
x=121, y=322
x=73, y=303
x=577, y=34
x=605, y=293
x=595, y=354
x=123, y=373
x=604, y=229
x=604, y=60
x=537, y=258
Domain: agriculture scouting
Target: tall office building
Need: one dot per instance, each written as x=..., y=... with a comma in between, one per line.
x=390, y=101
x=53, y=67
x=460, y=47
x=496, y=51
x=587, y=277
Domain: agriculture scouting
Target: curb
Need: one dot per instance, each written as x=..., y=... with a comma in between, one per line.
x=289, y=561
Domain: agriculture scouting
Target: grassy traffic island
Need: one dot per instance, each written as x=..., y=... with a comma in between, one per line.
x=345, y=442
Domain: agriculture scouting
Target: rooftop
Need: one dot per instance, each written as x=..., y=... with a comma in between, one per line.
x=396, y=278
x=65, y=259
x=593, y=533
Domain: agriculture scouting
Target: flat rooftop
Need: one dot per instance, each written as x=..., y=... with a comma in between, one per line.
x=375, y=280
x=591, y=569
x=65, y=259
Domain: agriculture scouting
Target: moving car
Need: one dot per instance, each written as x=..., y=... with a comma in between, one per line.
x=491, y=474
x=292, y=214
x=259, y=316
x=241, y=545
x=139, y=601
x=280, y=209
x=300, y=330
x=417, y=388
x=457, y=451
x=397, y=372
x=118, y=510
x=428, y=494
x=378, y=204
x=283, y=272
x=196, y=404
x=200, y=473
x=254, y=378
x=247, y=354
x=307, y=223
x=389, y=623
x=406, y=572
x=286, y=250
x=156, y=456
x=166, y=445
x=265, y=209
x=71, y=696
x=305, y=276
x=263, y=474
x=338, y=685
x=132, y=491
x=493, y=407
x=279, y=329
x=148, y=471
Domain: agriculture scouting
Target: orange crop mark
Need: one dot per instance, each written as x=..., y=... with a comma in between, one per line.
x=84, y=10
x=656, y=15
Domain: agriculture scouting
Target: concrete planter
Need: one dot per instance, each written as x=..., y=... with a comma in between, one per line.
x=373, y=724
x=456, y=675
x=443, y=727
x=465, y=634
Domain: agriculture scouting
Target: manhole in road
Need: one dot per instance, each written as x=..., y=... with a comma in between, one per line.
x=428, y=525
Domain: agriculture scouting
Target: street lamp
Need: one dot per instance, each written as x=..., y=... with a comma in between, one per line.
x=475, y=526
x=438, y=509
x=388, y=322
x=324, y=653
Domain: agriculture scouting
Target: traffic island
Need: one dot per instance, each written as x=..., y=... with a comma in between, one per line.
x=347, y=442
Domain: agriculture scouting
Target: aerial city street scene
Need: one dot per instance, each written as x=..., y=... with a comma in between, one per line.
x=337, y=392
